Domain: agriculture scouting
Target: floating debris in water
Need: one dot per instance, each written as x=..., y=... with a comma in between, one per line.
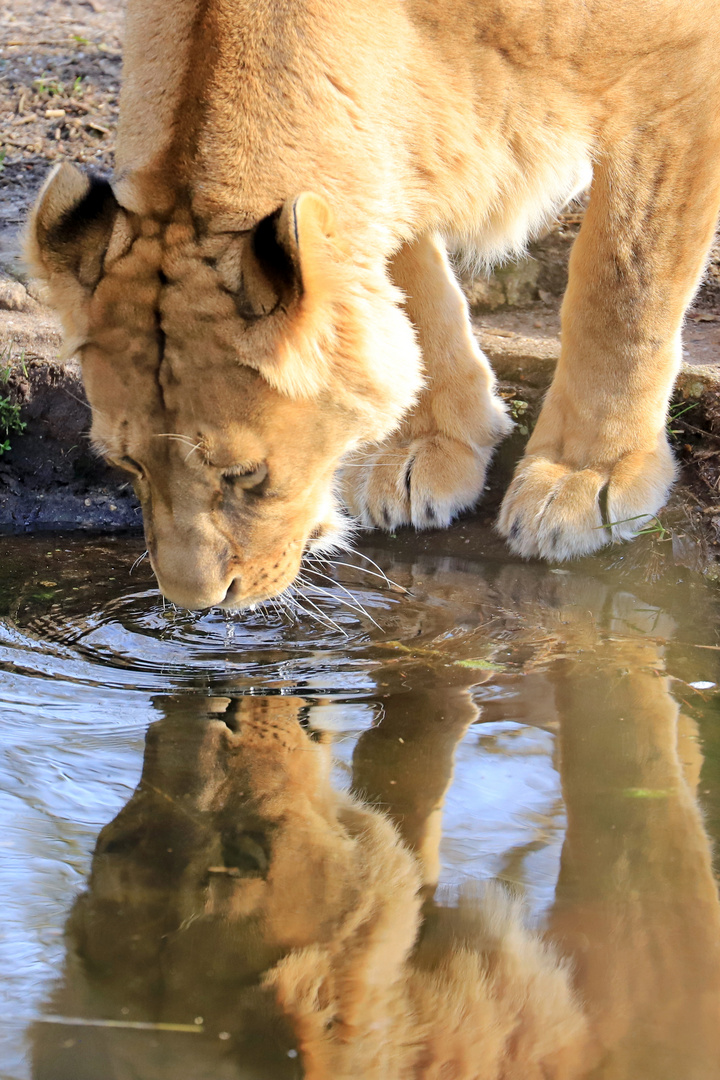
x=648, y=793
x=481, y=665
x=136, y=1025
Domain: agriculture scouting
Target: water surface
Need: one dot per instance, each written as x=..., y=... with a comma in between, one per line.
x=551, y=728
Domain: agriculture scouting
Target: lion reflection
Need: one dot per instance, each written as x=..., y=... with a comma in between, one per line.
x=238, y=888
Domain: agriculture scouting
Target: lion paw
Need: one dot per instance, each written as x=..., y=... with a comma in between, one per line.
x=424, y=481
x=555, y=512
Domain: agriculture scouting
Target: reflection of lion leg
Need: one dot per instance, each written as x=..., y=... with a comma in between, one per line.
x=404, y=765
x=636, y=902
x=434, y=465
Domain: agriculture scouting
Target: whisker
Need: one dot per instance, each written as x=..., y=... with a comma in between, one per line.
x=139, y=560
x=372, y=573
x=284, y=606
x=372, y=562
x=293, y=609
x=354, y=606
x=320, y=617
x=277, y=609
x=399, y=455
x=80, y=401
x=334, y=581
x=174, y=435
x=293, y=604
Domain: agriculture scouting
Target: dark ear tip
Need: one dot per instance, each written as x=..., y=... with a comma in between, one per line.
x=97, y=203
x=273, y=255
x=64, y=188
x=71, y=224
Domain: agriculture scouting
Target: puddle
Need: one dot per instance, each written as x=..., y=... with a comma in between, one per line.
x=555, y=730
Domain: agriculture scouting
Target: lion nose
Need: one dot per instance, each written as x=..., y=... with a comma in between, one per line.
x=193, y=590
x=183, y=596
x=233, y=594
x=188, y=579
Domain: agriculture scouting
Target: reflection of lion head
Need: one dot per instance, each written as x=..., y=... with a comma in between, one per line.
x=227, y=372
x=235, y=864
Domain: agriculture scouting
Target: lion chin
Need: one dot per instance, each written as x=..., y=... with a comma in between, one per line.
x=237, y=884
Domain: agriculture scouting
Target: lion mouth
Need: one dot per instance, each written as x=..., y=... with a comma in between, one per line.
x=234, y=600
x=329, y=537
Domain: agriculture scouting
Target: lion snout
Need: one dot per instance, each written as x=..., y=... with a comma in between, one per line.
x=200, y=585
x=195, y=592
x=196, y=584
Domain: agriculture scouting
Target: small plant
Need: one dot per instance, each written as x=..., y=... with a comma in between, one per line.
x=518, y=408
x=49, y=85
x=675, y=412
x=654, y=527
x=10, y=421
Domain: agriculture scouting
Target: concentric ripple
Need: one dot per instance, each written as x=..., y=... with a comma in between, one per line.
x=134, y=640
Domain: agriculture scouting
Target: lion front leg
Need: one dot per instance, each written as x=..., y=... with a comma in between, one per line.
x=598, y=466
x=434, y=465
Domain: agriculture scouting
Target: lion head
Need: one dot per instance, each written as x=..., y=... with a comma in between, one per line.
x=228, y=372
x=260, y=843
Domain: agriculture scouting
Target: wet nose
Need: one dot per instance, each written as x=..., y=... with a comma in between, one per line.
x=233, y=595
x=187, y=579
x=189, y=558
x=195, y=596
x=188, y=586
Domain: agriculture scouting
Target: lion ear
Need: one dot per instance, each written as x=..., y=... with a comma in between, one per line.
x=296, y=244
x=288, y=255
x=298, y=251
x=306, y=230
x=73, y=225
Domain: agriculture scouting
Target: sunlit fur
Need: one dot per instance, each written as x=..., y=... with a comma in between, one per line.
x=378, y=134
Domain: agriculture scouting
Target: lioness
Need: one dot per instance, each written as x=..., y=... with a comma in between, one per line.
x=265, y=286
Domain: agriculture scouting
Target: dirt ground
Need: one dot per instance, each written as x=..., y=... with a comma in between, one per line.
x=60, y=63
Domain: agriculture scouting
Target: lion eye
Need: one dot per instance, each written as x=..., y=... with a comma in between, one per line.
x=244, y=854
x=247, y=477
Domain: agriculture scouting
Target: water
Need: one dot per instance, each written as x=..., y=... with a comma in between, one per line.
x=554, y=729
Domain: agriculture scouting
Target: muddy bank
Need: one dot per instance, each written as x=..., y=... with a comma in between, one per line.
x=50, y=478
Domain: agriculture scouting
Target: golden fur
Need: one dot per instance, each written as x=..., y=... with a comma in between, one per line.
x=219, y=308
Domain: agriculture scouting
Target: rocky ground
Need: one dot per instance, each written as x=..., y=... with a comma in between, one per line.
x=59, y=76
